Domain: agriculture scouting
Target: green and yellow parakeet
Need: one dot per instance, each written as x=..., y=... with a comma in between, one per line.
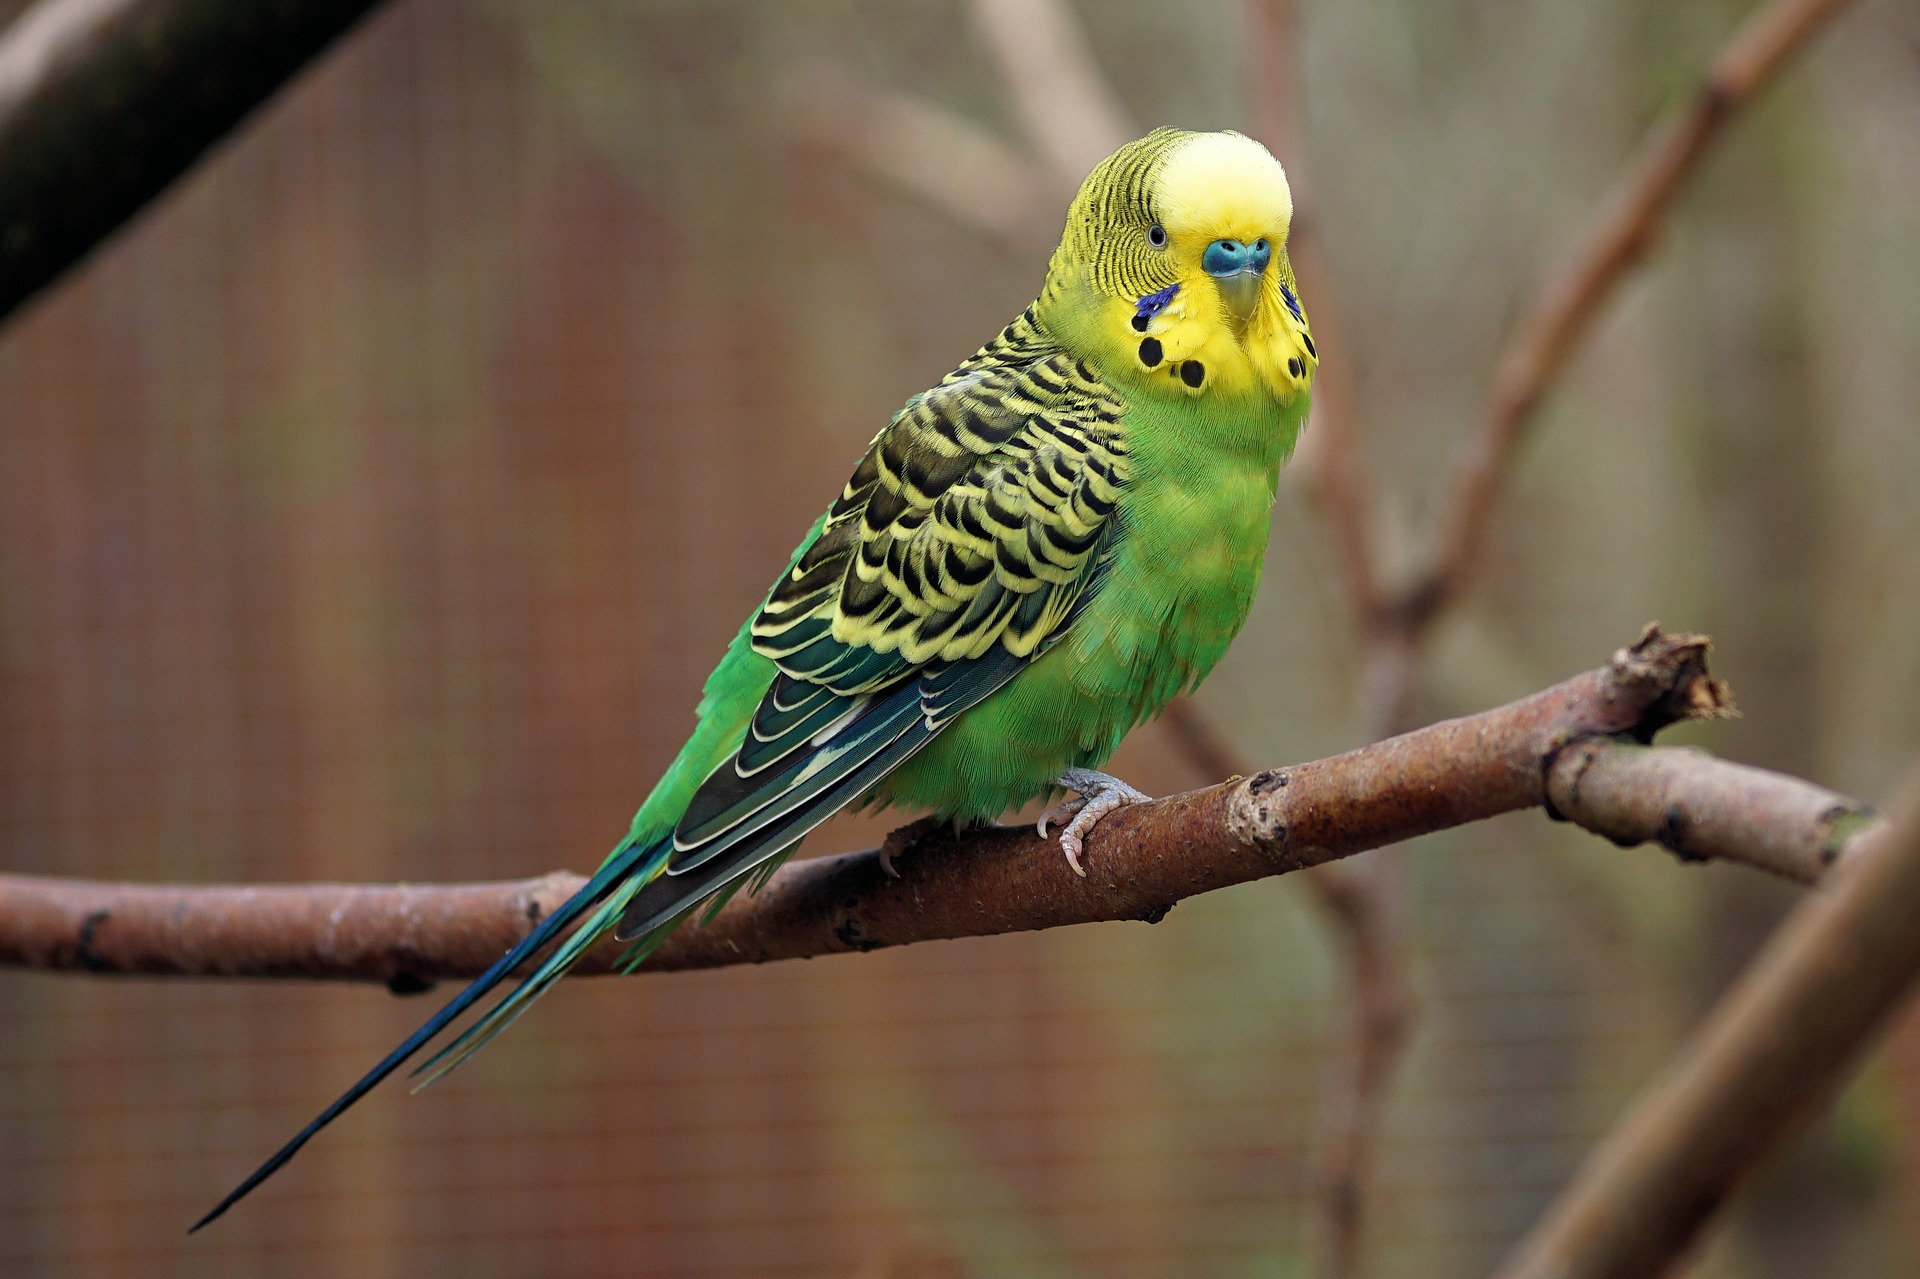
x=1031, y=558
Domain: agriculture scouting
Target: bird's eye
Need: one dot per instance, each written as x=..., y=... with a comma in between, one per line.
x=1157, y=236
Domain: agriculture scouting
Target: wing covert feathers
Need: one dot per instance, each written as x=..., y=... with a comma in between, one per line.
x=971, y=522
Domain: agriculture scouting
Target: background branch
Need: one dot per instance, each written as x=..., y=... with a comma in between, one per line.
x=105, y=102
x=1367, y=903
x=1070, y=111
x=938, y=155
x=1775, y=1048
x=1576, y=292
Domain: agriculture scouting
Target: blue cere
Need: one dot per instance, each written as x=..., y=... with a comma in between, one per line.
x=1232, y=257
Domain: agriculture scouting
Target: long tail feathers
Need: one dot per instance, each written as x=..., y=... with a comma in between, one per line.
x=609, y=889
x=508, y=1010
x=555, y=966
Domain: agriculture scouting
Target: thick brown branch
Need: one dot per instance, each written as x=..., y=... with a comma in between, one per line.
x=1141, y=861
x=1774, y=1049
x=104, y=102
x=1629, y=221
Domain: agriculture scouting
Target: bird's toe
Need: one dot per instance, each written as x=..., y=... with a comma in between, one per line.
x=1099, y=795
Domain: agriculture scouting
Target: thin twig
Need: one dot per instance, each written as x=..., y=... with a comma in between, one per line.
x=1066, y=104
x=1141, y=861
x=1629, y=221
x=1774, y=1049
x=1329, y=464
x=936, y=154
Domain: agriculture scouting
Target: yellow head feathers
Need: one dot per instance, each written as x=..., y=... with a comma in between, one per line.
x=1222, y=185
x=1173, y=267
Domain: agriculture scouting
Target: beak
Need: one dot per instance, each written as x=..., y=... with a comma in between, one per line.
x=1238, y=269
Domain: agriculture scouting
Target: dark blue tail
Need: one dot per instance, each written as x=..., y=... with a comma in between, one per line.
x=591, y=894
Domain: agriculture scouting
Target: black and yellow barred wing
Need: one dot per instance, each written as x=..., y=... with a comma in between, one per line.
x=970, y=523
x=974, y=528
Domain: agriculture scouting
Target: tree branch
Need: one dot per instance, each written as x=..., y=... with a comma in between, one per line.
x=1629, y=221
x=1774, y=1049
x=1141, y=860
x=940, y=156
x=1703, y=809
x=104, y=102
x=1066, y=104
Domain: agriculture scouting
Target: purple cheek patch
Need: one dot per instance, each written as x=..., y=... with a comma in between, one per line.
x=1151, y=305
x=1293, y=303
x=1154, y=303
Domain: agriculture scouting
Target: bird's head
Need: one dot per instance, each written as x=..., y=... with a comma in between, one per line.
x=1174, y=266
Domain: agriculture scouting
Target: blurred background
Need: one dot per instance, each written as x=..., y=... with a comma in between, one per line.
x=376, y=503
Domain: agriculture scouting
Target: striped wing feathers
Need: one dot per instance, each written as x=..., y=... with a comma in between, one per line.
x=972, y=521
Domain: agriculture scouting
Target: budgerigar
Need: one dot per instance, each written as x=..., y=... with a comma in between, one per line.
x=1032, y=557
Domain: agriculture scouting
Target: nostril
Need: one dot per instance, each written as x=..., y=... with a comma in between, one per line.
x=1223, y=257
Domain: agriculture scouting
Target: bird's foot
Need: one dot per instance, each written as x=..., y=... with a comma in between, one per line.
x=1099, y=795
